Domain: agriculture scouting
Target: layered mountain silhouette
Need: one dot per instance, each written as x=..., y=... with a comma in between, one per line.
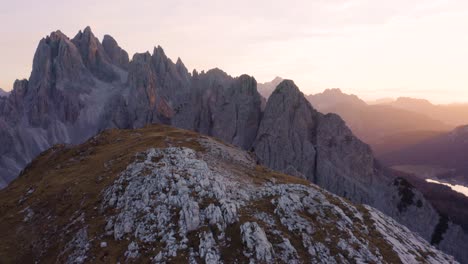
x=452, y=114
x=386, y=128
x=79, y=87
x=266, y=89
x=449, y=150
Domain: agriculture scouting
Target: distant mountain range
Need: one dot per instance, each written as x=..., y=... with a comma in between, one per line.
x=79, y=87
x=266, y=89
x=384, y=127
x=386, y=124
x=452, y=114
x=448, y=150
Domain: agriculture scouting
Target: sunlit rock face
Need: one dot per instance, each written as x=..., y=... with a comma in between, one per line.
x=79, y=87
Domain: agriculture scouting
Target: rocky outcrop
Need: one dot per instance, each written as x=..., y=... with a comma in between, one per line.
x=180, y=197
x=287, y=134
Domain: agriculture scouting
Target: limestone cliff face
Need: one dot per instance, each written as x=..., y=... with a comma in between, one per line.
x=116, y=54
x=224, y=107
x=94, y=56
x=296, y=139
x=79, y=87
x=287, y=136
x=344, y=163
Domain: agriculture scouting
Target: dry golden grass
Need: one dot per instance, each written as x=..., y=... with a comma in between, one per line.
x=70, y=179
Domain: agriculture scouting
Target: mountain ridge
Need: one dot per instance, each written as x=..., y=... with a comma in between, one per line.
x=447, y=150
x=375, y=123
x=161, y=194
x=267, y=88
x=75, y=91
x=452, y=114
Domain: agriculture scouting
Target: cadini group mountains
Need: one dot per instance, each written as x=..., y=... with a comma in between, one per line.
x=80, y=86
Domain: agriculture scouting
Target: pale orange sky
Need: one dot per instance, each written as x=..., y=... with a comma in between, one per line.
x=371, y=48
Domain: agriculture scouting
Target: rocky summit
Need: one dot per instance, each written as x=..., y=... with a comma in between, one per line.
x=79, y=87
x=165, y=195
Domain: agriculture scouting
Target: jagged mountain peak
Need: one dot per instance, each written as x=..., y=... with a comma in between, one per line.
x=277, y=79
x=56, y=60
x=56, y=36
x=117, y=55
x=86, y=37
x=158, y=53
x=180, y=63
x=265, y=89
x=161, y=194
x=94, y=55
x=86, y=32
x=287, y=87
x=216, y=73
x=109, y=38
x=143, y=56
x=335, y=91
x=334, y=97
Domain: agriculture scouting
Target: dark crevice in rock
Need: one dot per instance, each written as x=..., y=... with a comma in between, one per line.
x=440, y=229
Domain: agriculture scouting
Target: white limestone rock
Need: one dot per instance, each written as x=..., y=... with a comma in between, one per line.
x=256, y=242
x=168, y=195
x=191, y=215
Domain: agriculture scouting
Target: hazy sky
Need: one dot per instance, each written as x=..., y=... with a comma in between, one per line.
x=367, y=47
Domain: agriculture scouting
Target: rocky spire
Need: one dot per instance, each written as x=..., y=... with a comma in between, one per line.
x=287, y=134
x=293, y=137
x=146, y=100
x=116, y=54
x=56, y=59
x=94, y=56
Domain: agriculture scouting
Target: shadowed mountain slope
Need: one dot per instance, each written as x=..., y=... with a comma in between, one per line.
x=378, y=125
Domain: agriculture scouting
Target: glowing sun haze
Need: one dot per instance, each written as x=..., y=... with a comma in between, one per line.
x=371, y=48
